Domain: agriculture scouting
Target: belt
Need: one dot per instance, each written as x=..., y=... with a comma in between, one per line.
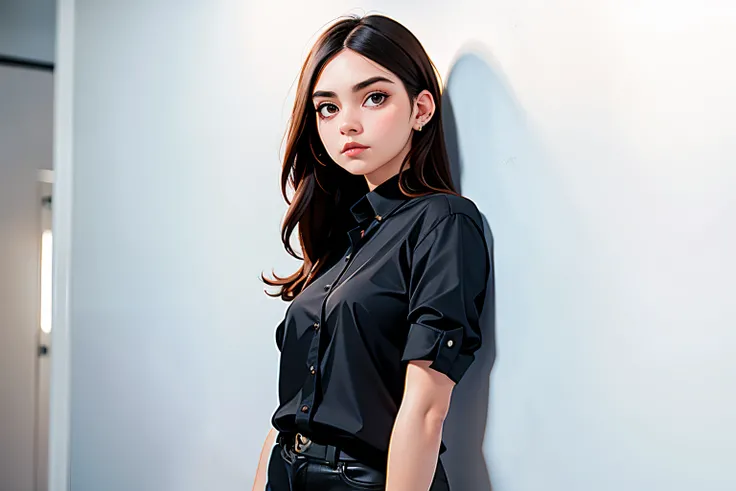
x=303, y=445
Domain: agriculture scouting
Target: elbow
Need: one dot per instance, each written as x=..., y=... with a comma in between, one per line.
x=433, y=415
x=427, y=395
x=430, y=414
x=434, y=420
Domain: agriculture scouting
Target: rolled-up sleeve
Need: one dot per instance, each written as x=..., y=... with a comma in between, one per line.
x=448, y=278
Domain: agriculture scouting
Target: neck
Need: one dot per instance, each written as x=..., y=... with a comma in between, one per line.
x=382, y=174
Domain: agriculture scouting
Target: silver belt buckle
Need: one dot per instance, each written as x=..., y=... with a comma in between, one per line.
x=301, y=443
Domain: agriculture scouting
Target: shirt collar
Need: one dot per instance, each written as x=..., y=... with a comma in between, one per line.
x=380, y=202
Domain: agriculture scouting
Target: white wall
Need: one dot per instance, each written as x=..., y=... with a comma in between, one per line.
x=594, y=136
x=176, y=212
x=26, y=110
x=27, y=29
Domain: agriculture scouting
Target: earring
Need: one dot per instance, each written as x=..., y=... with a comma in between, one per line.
x=420, y=128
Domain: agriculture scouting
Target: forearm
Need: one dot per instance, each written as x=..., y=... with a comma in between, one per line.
x=413, y=450
x=262, y=472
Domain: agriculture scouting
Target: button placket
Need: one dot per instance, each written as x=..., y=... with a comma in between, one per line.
x=359, y=235
x=311, y=384
x=308, y=390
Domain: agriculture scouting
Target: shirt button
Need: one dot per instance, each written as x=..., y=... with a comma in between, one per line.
x=327, y=287
x=316, y=326
x=450, y=343
x=305, y=408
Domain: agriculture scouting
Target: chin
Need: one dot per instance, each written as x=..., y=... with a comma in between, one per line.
x=358, y=167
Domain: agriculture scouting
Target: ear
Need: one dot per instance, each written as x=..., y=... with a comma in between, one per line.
x=424, y=108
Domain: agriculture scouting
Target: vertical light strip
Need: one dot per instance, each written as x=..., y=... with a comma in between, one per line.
x=46, y=275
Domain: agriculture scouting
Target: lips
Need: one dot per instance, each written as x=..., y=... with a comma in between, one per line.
x=350, y=145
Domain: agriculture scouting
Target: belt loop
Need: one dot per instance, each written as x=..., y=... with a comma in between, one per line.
x=332, y=456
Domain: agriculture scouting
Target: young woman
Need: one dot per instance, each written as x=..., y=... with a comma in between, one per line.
x=384, y=311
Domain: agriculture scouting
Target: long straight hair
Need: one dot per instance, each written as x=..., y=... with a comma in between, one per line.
x=323, y=191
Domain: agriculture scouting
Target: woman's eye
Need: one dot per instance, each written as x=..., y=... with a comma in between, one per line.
x=381, y=97
x=322, y=114
x=376, y=99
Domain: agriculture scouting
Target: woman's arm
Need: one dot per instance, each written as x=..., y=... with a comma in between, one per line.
x=262, y=472
x=417, y=433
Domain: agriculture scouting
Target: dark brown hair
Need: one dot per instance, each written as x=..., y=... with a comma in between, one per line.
x=323, y=191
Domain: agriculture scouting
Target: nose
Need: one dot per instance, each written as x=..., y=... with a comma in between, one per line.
x=350, y=124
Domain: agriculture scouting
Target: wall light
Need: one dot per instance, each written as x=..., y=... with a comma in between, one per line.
x=46, y=274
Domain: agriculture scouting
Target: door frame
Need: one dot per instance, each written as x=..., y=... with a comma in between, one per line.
x=59, y=476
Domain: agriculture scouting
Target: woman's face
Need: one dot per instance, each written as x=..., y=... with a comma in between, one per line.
x=359, y=101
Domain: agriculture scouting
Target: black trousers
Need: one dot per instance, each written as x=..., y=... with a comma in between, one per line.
x=289, y=471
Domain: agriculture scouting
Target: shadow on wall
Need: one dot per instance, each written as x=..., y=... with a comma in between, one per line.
x=480, y=114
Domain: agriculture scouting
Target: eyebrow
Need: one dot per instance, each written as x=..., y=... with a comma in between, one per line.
x=356, y=88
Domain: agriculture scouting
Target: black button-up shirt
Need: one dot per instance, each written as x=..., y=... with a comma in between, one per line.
x=410, y=286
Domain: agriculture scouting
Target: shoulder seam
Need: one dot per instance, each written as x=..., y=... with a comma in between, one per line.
x=450, y=214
